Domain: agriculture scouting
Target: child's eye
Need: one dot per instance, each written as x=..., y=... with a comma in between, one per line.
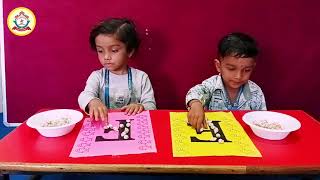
x=231, y=69
x=247, y=70
x=115, y=50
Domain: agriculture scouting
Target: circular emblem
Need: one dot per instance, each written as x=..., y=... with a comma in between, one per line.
x=21, y=21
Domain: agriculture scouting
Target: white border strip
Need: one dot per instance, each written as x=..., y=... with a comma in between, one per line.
x=3, y=72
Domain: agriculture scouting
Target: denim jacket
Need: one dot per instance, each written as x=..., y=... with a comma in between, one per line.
x=213, y=96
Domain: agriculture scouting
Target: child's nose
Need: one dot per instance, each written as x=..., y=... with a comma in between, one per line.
x=238, y=75
x=107, y=56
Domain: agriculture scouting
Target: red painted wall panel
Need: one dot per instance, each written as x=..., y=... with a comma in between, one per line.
x=49, y=67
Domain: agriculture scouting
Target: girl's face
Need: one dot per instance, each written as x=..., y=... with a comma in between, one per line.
x=112, y=53
x=235, y=71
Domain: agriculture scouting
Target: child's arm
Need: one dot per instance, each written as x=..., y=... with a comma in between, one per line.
x=196, y=115
x=263, y=105
x=260, y=102
x=97, y=110
x=90, y=92
x=89, y=98
x=197, y=98
x=147, y=94
x=257, y=101
x=201, y=92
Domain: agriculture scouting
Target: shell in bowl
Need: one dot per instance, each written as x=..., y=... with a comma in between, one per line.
x=55, y=123
x=271, y=125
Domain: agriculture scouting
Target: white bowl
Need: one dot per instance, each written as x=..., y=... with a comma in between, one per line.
x=263, y=124
x=62, y=122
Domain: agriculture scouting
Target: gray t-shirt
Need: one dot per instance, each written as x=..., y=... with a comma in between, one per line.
x=119, y=94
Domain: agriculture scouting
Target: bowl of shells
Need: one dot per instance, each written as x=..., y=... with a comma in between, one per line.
x=271, y=125
x=55, y=123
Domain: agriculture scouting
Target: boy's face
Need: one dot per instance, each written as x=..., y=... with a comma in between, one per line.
x=235, y=71
x=112, y=53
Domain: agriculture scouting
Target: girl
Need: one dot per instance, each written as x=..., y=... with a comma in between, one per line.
x=116, y=85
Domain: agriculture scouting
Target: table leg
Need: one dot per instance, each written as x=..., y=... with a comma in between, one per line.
x=36, y=177
x=5, y=176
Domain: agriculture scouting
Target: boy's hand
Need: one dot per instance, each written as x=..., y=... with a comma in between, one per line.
x=132, y=109
x=98, y=110
x=196, y=116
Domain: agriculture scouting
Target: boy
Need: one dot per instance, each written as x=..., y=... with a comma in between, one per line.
x=231, y=89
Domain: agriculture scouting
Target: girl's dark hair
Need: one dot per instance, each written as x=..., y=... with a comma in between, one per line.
x=237, y=45
x=123, y=29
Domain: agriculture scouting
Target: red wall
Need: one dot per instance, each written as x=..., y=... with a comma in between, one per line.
x=49, y=67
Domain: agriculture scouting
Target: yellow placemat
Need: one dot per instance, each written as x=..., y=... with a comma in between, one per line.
x=225, y=138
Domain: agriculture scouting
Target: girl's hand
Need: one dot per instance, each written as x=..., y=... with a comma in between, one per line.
x=98, y=110
x=196, y=116
x=132, y=109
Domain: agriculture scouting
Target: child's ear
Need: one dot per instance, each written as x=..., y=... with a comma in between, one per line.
x=254, y=65
x=218, y=65
x=131, y=53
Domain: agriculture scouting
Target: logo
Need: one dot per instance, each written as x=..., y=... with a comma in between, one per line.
x=21, y=21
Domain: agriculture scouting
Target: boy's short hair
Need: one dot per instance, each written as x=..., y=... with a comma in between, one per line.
x=123, y=29
x=238, y=45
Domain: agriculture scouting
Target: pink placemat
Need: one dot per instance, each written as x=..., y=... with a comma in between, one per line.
x=128, y=135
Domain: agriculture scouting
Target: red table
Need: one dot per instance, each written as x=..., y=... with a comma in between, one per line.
x=24, y=149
